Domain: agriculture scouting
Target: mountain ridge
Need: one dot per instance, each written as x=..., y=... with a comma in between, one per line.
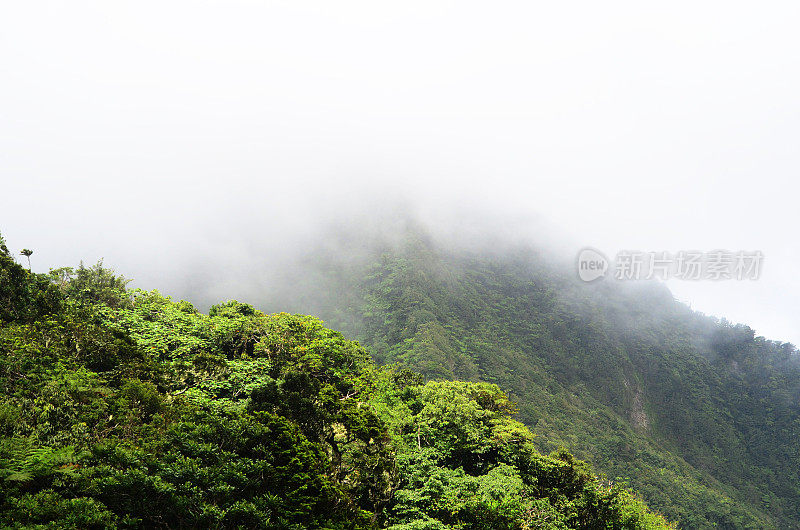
x=698, y=414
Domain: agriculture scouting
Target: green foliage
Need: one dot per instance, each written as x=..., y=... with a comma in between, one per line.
x=94, y=284
x=24, y=462
x=24, y=296
x=467, y=464
x=125, y=409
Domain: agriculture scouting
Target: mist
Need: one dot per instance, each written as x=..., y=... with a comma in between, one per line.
x=202, y=148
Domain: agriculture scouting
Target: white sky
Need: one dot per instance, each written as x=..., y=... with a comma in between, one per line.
x=157, y=133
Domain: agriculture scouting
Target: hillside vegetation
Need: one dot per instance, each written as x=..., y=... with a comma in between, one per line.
x=122, y=408
x=697, y=415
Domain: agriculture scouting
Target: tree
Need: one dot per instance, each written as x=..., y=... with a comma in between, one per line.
x=27, y=253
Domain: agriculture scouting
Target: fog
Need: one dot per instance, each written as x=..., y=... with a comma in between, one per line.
x=196, y=146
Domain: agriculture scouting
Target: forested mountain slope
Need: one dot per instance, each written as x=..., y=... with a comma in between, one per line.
x=699, y=416
x=122, y=408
